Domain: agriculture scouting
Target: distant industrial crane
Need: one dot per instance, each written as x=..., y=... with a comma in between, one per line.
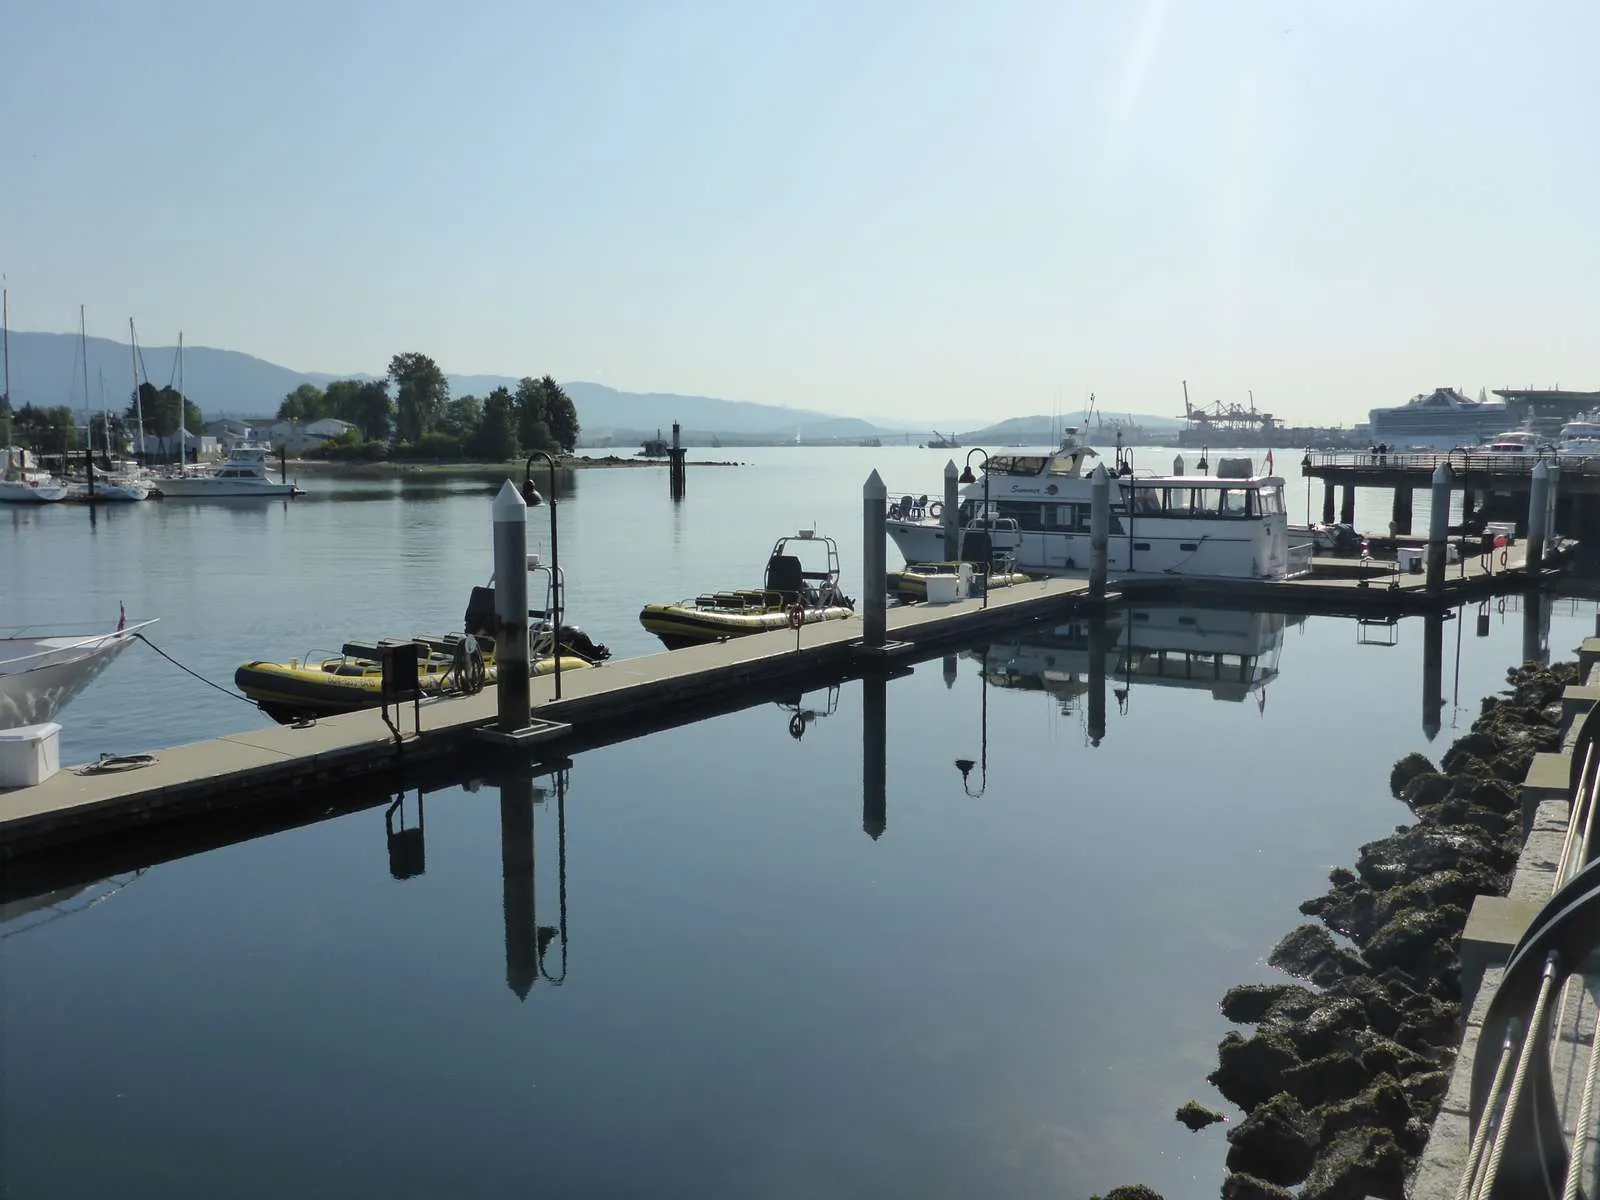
x=1227, y=417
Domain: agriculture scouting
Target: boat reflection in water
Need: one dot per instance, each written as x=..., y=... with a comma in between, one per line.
x=1233, y=655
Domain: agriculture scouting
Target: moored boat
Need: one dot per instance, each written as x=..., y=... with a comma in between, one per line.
x=42, y=669
x=1031, y=513
x=911, y=584
x=320, y=685
x=789, y=592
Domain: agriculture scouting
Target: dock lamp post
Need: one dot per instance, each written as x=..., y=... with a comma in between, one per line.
x=968, y=477
x=531, y=497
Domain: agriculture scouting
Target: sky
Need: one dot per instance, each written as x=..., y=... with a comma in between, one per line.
x=893, y=208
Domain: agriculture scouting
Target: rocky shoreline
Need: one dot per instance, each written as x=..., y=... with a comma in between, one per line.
x=1340, y=1076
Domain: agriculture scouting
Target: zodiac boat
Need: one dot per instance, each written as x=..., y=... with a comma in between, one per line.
x=790, y=592
x=911, y=584
x=455, y=664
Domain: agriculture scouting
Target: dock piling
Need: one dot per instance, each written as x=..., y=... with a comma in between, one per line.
x=1347, y=505
x=874, y=568
x=1327, y=502
x=678, y=481
x=1099, y=530
x=1438, y=526
x=950, y=512
x=513, y=686
x=1538, y=516
x=1402, y=510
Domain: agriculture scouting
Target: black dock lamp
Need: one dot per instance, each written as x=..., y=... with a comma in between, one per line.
x=968, y=477
x=531, y=497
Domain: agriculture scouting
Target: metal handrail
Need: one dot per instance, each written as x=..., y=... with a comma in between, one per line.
x=1459, y=461
x=1520, y=1127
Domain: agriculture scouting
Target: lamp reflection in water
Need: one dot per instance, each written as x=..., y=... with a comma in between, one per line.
x=527, y=941
x=531, y=497
x=968, y=477
x=966, y=765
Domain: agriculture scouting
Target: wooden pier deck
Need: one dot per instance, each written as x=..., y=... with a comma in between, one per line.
x=621, y=697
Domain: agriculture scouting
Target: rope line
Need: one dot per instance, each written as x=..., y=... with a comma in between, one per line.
x=209, y=683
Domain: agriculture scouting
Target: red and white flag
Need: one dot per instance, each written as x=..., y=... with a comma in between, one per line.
x=122, y=616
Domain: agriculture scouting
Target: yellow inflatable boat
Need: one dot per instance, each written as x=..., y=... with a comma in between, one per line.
x=458, y=663
x=791, y=594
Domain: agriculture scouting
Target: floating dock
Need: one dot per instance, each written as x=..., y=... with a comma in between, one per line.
x=621, y=698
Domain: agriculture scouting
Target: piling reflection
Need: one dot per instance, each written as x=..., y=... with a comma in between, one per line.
x=528, y=942
x=874, y=755
x=1432, y=673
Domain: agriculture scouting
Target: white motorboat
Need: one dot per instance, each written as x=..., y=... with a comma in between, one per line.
x=41, y=671
x=1032, y=511
x=1516, y=441
x=242, y=473
x=1581, y=435
x=110, y=488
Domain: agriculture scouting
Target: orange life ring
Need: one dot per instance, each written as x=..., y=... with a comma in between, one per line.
x=797, y=618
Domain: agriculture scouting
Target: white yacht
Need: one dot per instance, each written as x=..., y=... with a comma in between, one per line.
x=1582, y=435
x=1516, y=441
x=1034, y=510
x=242, y=473
x=22, y=483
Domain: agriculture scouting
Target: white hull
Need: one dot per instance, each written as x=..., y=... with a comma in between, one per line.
x=1257, y=549
x=40, y=676
x=204, y=487
x=14, y=491
x=112, y=491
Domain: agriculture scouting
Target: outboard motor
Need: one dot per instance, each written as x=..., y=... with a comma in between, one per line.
x=580, y=643
x=480, y=620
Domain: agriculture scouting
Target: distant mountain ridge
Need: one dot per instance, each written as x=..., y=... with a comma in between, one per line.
x=45, y=371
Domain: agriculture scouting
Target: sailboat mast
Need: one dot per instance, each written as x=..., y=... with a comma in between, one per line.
x=5, y=351
x=183, y=432
x=138, y=400
x=83, y=353
x=105, y=414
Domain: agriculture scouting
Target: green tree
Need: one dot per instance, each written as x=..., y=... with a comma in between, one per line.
x=496, y=439
x=365, y=404
x=307, y=402
x=560, y=414
x=46, y=430
x=423, y=393
x=119, y=434
x=461, y=417
x=160, y=408
x=528, y=403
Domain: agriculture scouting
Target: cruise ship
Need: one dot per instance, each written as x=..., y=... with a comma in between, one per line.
x=1442, y=417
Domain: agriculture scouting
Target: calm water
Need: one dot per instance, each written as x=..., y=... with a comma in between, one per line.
x=1005, y=994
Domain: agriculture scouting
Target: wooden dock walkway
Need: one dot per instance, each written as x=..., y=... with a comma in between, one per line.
x=622, y=697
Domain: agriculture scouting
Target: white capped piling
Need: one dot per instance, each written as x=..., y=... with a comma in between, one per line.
x=950, y=514
x=1177, y=465
x=1538, y=514
x=1099, y=529
x=1438, y=526
x=874, y=566
x=512, y=681
x=1550, y=513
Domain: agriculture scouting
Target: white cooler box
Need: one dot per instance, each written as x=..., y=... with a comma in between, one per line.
x=29, y=754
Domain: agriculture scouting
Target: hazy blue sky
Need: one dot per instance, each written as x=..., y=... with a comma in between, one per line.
x=872, y=207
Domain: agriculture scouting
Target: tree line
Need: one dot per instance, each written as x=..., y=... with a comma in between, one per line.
x=54, y=429
x=422, y=420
